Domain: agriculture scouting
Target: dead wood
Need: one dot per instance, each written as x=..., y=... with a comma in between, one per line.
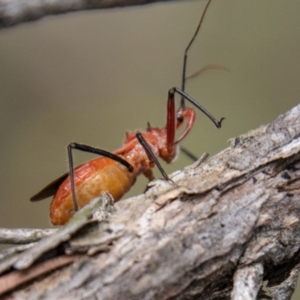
x=227, y=226
x=14, y=12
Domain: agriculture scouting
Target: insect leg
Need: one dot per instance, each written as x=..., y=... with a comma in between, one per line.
x=93, y=150
x=183, y=113
x=171, y=122
x=188, y=153
x=199, y=106
x=151, y=155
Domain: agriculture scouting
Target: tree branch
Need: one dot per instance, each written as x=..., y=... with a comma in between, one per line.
x=228, y=225
x=13, y=12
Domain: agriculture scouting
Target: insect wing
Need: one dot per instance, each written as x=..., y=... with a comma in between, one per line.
x=50, y=189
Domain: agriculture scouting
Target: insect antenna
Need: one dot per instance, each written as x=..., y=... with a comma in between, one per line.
x=183, y=80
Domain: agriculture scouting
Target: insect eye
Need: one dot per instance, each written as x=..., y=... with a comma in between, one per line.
x=179, y=118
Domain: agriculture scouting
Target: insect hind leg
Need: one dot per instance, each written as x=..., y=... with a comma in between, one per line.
x=89, y=149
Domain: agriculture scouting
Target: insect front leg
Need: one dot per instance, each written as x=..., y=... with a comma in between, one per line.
x=152, y=156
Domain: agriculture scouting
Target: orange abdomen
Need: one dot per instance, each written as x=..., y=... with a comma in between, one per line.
x=92, y=178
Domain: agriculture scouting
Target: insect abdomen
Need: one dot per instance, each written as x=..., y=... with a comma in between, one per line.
x=92, y=178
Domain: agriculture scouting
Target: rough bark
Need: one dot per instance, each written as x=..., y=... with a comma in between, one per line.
x=225, y=227
x=13, y=12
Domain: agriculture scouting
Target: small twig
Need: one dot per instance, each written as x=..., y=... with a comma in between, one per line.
x=247, y=282
x=14, y=279
x=13, y=12
x=78, y=221
x=23, y=235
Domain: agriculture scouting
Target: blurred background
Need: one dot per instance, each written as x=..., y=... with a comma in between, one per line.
x=90, y=76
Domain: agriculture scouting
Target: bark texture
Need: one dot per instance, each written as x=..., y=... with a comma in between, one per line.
x=225, y=227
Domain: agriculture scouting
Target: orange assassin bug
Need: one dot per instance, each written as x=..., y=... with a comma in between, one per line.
x=116, y=172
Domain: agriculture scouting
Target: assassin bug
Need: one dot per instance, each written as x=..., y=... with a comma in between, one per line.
x=116, y=172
